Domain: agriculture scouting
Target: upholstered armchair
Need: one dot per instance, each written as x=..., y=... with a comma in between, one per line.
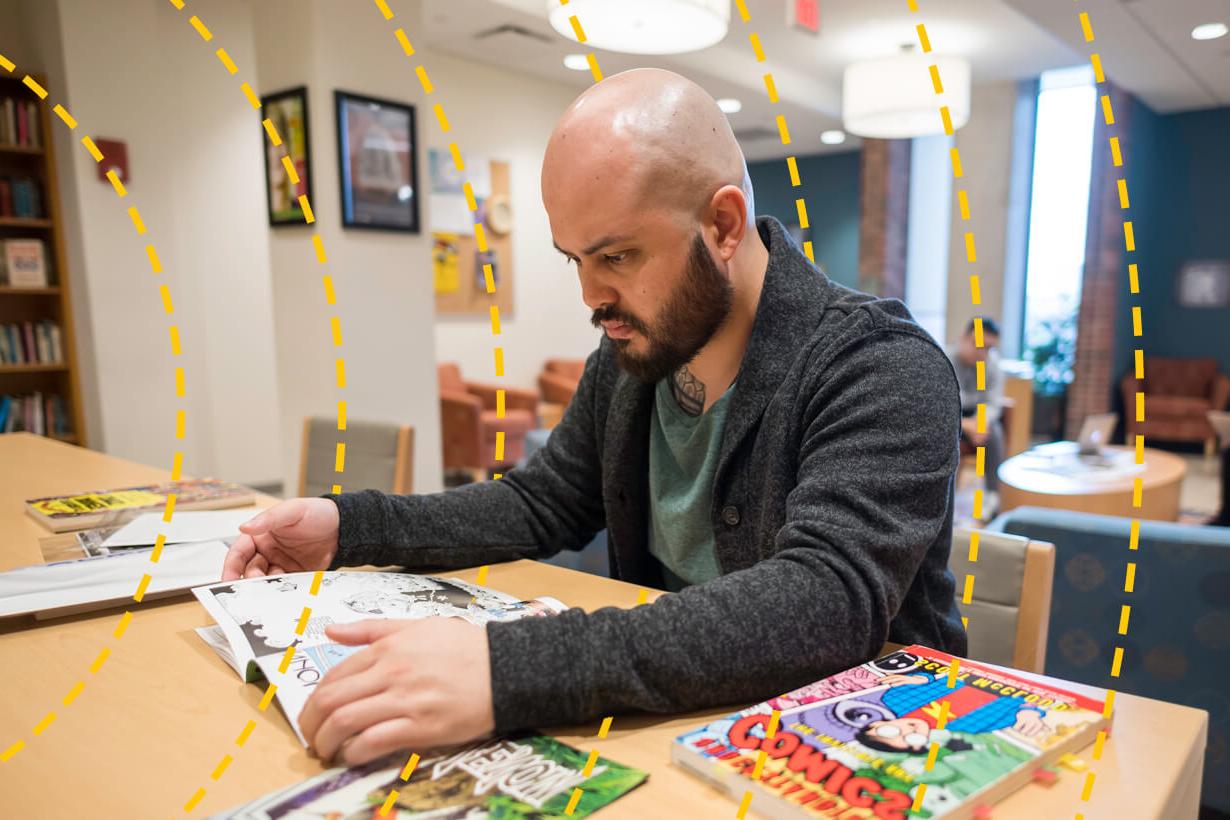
x=469, y=418
x=1179, y=393
x=559, y=379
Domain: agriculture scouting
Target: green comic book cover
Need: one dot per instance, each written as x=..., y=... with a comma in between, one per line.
x=520, y=778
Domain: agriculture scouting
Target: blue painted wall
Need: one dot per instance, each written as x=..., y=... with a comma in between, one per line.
x=831, y=190
x=1178, y=173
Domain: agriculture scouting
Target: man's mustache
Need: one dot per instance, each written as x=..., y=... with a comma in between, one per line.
x=608, y=314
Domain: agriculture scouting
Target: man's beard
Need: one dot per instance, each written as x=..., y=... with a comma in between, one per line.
x=692, y=314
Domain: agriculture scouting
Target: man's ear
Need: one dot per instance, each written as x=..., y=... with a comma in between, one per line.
x=728, y=209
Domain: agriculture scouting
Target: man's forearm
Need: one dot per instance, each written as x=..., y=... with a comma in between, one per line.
x=476, y=524
x=746, y=636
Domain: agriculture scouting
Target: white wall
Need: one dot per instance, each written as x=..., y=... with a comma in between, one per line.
x=134, y=70
x=986, y=157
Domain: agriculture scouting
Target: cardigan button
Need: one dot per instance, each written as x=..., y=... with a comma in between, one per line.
x=730, y=515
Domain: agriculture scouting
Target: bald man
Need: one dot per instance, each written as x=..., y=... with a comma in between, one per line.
x=774, y=449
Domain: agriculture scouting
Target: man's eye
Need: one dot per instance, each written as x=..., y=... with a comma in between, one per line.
x=615, y=258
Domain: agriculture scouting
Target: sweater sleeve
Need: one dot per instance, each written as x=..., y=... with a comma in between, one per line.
x=553, y=503
x=873, y=492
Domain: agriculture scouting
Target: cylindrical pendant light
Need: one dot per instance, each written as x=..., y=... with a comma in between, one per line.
x=643, y=26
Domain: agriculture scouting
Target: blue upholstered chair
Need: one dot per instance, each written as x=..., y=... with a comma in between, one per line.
x=1177, y=646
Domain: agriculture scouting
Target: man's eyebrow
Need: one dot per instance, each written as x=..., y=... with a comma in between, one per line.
x=604, y=242
x=596, y=246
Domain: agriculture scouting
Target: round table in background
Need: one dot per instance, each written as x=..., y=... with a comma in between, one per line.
x=1023, y=483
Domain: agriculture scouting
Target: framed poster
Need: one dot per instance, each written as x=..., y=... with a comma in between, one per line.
x=1204, y=284
x=288, y=110
x=377, y=149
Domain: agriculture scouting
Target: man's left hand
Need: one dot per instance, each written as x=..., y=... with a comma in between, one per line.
x=419, y=684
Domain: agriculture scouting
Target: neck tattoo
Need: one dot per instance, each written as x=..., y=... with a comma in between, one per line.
x=689, y=391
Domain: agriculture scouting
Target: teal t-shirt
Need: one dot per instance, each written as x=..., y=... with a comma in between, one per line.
x=683, y=456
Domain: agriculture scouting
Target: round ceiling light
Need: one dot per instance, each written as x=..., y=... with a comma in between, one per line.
x=730, y=105
x=894, y=97
x=833, y=137
x=577, y=62
x=1209, y=31
x=643, y=26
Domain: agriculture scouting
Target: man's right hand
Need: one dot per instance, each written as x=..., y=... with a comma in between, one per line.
x=297, y=535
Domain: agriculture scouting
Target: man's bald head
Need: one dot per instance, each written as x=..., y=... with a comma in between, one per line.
x=645, y=138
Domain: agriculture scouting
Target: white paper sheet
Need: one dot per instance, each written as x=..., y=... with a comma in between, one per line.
x=204, y=525
x=93, y=583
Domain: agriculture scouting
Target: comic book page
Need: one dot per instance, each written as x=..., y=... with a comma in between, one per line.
x=874, y=735
x=260, y=616
x=258, y=620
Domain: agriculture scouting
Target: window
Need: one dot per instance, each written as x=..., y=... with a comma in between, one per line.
x=1058, y=213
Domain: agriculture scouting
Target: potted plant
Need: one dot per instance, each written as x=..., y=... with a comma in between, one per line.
x=1052, y=349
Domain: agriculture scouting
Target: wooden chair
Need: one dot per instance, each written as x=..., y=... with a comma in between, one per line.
x=1009, y=612
x=378, y=456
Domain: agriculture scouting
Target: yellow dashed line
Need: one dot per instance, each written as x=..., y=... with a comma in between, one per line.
x=771, y=88
x=754, y=39
x=272, y=131
x=227, y=62
x=92, y=148
x=196, y=23
x=782, y=130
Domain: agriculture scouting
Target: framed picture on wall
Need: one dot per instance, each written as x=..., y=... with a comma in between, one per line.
x=1204, y=284
x=377, y=163
x=288, y=111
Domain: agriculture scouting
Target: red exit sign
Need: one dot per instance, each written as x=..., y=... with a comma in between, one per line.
x=803, y=14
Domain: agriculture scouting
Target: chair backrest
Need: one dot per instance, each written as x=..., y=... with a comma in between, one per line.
x=1180, y=376
x=378, y=456
x=1009, y=610
x=449, y=377
x=572, y=368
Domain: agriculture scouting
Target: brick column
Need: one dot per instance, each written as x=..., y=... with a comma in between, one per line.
x=884, y=216
x=1093, y=382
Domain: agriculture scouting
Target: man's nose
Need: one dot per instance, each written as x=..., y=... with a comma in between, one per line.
x=595, y=293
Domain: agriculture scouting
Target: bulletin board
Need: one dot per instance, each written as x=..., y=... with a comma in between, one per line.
x=458, y=278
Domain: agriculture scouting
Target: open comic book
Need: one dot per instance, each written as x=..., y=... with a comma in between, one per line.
x=865, y=742
x=515, y=778
x=257, y=620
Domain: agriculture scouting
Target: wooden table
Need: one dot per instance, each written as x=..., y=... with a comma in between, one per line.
x=153, y=723
x=1021, y=483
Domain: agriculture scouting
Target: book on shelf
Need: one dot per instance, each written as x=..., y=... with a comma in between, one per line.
x=21, y=197
x=34, y=413
x=80, y=511
x=23, y=263
x=33, y=342
x=515, y=778
x=871, y=740
x=19, y=123
x=257, y=620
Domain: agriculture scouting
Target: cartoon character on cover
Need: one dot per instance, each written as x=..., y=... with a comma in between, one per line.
x=917, y=698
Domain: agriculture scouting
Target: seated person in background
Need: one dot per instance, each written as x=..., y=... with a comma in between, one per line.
x=965, y=361
x=775, y=448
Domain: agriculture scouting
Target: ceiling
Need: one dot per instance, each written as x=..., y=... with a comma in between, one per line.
x=1145, y=45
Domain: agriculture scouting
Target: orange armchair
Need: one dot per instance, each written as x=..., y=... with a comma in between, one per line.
x=559, y=379
x=1179, y=394
x=469, y=419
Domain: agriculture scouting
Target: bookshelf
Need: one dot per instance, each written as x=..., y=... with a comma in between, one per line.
x=52, y=303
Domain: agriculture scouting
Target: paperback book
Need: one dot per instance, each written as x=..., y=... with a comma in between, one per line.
x=873, y=740
x=516, y=778
x=257, y=620
x=63, y=513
